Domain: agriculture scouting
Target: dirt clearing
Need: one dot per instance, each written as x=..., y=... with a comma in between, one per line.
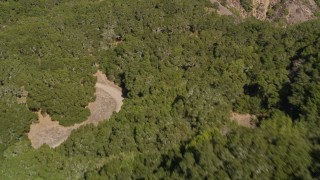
x=245, y=120
x=108, y=100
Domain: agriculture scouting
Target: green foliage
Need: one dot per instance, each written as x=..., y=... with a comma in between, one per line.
x=15, y=121
x=276, y=151
x=48, y=61
x=182, y=70
x=216, y=6
x=306, y=89
x=247, y=5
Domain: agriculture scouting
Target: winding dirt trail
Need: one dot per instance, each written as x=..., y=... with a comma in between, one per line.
x=108, y=100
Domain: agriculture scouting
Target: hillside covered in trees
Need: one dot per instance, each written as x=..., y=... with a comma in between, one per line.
x=183, y=69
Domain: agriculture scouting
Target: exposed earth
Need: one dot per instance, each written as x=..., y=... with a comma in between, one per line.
x=108, y=100
x=289, y=11
x=245, y=120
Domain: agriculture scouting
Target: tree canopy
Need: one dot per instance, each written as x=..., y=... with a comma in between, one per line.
x=183, y=70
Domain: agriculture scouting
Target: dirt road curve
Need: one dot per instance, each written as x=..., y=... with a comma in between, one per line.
x=108, y=100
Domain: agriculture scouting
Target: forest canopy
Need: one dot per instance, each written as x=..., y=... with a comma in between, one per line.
x=183, y=70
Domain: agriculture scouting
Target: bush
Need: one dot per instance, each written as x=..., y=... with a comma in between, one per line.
x=246, y=4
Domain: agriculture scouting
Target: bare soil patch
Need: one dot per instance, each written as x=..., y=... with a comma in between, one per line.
x=48, y=132
x=245, y=120
x=300, y=11
x=108, y=100
x=222, y=10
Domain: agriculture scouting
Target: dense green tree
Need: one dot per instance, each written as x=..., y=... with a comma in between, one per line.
x=183, y=70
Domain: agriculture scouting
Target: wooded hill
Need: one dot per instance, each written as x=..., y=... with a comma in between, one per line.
x=184, y=69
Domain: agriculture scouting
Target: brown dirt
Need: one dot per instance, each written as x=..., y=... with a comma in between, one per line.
x=300, y=11
x=245, y=120
x=292, y=11
x=108, y=100
x=222, y=10
x=47, y=132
